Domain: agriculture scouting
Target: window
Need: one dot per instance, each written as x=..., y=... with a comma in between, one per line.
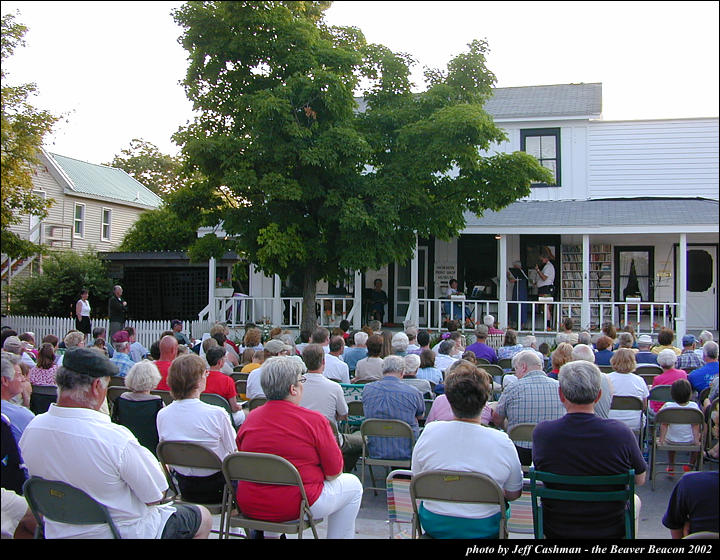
x=79, y=230
x=544, y=145
x=106, y=217
x=634, y=273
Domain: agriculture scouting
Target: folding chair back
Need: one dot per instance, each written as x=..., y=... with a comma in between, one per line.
x=482, y=361
x=218, y=400
x=60, y=502
x=626, y=495
x=660, y=393
x=647, y=377
x=492, y=369
x=676, y=416
x=140, y=417
x=399, y=503
x=113, y=393
x=505, y=363
x=241, y=387
x=166, y=396
x=648, y=368
x=263, y=468
x=606, y=369
x=257, y=401
x=239, y=376
x=626, y=403
x=117, y=381
x=522, y=432
x=456, y=487
x=382, y=428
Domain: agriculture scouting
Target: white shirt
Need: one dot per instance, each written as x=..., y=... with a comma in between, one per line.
x=84, y=449
x=628, y=385
x=549, y=272
x=84, y=307
x=335, y=368
x=680, y=433
x=324, y=396
x=253, y=388
x=444, y=361
x=467, y=447
x=199, y=422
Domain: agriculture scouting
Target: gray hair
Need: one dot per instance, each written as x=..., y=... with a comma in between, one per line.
x=625, y=340
x=412, y=363
x=481, y=331
x=13, y=344
x=77, y=385
x=528, y=341
x=289, y=340
x=562, y=337
x=489, y=320
x=393, y=364
x=583, y=352
x=580, y=381
x=143, y=376
x=529, y=358
x=9, y=361
x=411, y=332
x=710, y=350
x=667, y=358
x=446, y=347
x=73, y=339
x=399, y=342
x=278, y=374
x=361, y=338
x=705, y=336
x=121, y=346
x=584, y=338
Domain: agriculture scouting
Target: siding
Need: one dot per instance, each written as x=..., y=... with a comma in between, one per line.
x=666, y=158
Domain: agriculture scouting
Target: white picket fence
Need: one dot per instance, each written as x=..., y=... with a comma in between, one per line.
x=147, y=332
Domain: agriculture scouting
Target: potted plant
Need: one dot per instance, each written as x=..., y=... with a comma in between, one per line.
x=224, y=288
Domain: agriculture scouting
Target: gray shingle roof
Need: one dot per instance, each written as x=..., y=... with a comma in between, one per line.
x=609, y=212
x=108, y=182
x=562, y=100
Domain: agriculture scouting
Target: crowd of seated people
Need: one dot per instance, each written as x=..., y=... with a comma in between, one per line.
x=570, y=399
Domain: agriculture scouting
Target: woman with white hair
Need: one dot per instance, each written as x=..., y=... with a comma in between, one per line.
x=489, y=322
x=667, y=359
x=137, y=409
x=399, y=343
x=357, y=349
x=302, y=436
x=412, y=364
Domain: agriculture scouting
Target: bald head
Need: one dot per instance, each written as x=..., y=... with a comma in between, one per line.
x=168, y=348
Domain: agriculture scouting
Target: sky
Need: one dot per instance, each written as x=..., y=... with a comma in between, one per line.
x=113, y=69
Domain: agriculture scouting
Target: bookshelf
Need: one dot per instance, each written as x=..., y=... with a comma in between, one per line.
x=601, y=278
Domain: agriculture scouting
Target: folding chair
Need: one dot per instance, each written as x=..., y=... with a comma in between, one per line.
x=113, y=393
x=648, y=377
x=456, y=487
x=194, y=455
x=505, y=363
x=482, y=361
x=648, y=368
x=257, y=401
x=356, y=415
x=676, y=416
x=239, y=376
x=626, y=495
x=703, y=535
x=399, y=504
x=263, y=468
x=620, y=402
x=218, y=400
x=492, y=369
x=166, y=396
x=60, y=502
x=606, y=369
x=381, y=428
x=522, y=432
x=117, y=381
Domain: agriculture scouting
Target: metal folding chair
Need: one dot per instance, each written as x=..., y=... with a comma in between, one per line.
x=381, y=428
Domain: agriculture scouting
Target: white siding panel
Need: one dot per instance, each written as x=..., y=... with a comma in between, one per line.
x=653, y=158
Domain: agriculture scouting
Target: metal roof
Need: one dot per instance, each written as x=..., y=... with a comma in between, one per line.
x=104, y=181
x=644, y=213
x=561, y=100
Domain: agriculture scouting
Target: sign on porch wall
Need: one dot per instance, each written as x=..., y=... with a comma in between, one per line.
x=443, y=273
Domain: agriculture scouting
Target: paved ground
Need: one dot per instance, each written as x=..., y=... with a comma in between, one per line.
x=372, y=520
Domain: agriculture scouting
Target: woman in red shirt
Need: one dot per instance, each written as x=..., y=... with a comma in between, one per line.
x=303, y=437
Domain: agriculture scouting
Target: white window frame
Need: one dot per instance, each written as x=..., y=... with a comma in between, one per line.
x=103, y=223
x=80, y=235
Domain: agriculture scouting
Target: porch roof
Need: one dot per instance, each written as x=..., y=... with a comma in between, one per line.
x=637, y=215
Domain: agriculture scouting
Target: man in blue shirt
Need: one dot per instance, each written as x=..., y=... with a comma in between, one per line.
x=121, y=358
x=18, y=415
x=391, y=399
x=702, y=376
x=644, y=355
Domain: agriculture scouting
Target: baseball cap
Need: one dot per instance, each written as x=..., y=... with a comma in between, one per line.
x=121, y=336
x=89, y=362
x=688, y=340
x=276, y=346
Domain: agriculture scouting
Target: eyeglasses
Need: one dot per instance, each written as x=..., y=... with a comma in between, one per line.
x=302, y=379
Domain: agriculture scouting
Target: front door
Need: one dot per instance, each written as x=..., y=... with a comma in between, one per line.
x=402, y=287
x=701, y=287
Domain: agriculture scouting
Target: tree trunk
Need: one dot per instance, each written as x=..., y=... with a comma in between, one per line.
x=309, y=314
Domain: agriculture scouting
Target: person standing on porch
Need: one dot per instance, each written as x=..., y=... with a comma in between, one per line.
x=117, y=311
x=546, y=283
x=82, y=313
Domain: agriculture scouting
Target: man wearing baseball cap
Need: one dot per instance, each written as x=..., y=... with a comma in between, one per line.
x=75, y=443
x=121, y=357
x=644, y=355
x=274, y=347
x=688, y=358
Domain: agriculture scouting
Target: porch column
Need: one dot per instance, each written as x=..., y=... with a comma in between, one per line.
x=357, y=301
x=277, y=312
x=211, y=289
x=414, y=305
x=585, y=316
x=502, y=285
x=681, y=313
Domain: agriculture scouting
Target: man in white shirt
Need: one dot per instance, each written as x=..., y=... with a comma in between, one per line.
x=546, y=277
x=75, y=443
x=335, y=367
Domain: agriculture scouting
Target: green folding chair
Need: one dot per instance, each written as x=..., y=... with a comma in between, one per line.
x=218, y=400
x=60, y=502
x=626, y=495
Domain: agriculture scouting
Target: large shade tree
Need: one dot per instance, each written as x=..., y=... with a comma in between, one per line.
x=21, y=134
x=306, y=177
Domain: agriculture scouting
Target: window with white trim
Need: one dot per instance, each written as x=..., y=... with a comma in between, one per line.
x=544, y=145
x=79, y=227
x=106, y=221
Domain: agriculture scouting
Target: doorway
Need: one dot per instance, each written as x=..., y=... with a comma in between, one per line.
x=701, y=287
x=402, y=287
